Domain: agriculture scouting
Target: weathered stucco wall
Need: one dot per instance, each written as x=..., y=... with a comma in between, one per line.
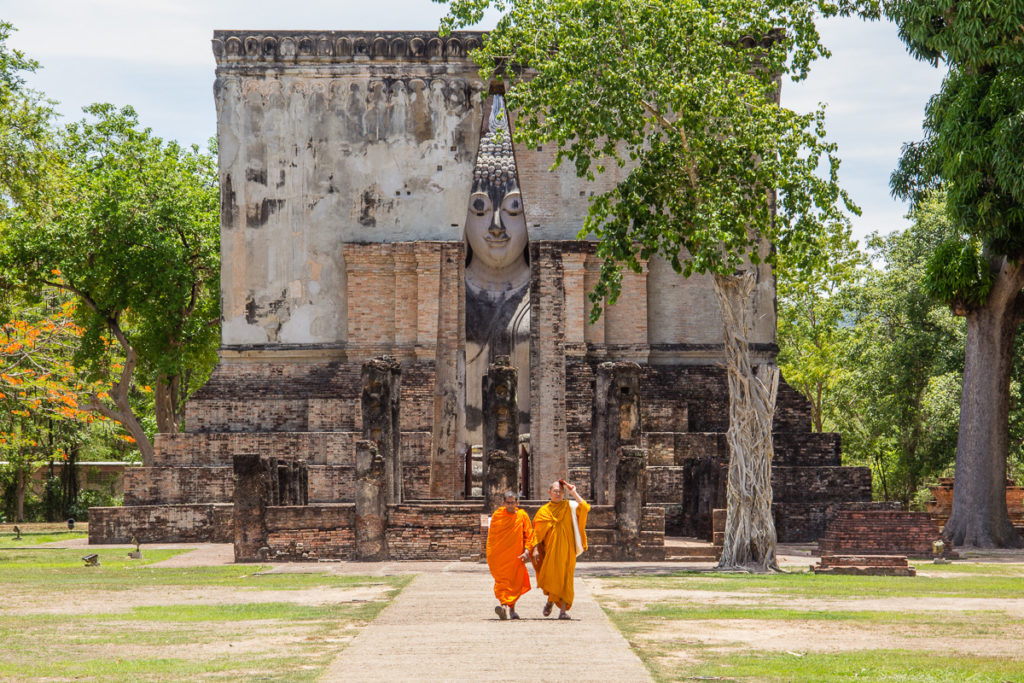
x=326, y=139
x=332, y=139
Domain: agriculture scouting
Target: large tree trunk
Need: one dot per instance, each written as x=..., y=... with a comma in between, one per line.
x=165, y=400
x=20, y=486
x=122, y=412
x=750, y=538
x=979, y=517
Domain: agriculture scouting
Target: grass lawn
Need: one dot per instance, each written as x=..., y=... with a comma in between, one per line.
x=34, y=534
x=127, y=620
x=955, y=623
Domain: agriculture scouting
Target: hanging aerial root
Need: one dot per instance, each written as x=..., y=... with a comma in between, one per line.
x=750, y=539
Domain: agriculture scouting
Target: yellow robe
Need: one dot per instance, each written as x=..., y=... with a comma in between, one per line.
x=552, y=528
x=508, y=535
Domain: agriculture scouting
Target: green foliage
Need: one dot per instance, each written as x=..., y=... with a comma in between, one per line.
x=974, y=128
x=958, y=273
x=683, y=95
x=878, y=357
x=25, y=130
x=131, y=231
x=89, y=499
x=140, y=244
x=813, y=304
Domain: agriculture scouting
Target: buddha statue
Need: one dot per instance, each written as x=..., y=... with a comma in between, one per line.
x=497, y=272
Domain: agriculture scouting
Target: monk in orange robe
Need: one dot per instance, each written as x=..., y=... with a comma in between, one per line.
x=509, y=540
x=560, y=529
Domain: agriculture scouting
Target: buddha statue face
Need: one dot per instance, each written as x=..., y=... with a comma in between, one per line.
x=496, y=228
x=495, y=222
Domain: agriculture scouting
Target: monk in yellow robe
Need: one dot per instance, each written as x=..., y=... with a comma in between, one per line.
x=509, y=540
x=560, y=529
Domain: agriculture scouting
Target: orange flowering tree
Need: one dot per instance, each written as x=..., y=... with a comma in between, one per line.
x=42, y=393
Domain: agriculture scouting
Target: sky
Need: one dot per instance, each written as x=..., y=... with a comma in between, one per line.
x=155, y=55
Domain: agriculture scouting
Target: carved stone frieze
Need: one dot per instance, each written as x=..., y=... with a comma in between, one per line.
x=315, y=47
x=458, y=92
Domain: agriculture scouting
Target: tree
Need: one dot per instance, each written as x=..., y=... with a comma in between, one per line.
x=898, y=412
x=41, y=392
x=25, y=129
x=812, y=305
x=685, y=94
x=133, y=233
x=974, y=134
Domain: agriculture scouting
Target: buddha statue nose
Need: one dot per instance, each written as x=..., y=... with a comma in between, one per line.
x=496, y=229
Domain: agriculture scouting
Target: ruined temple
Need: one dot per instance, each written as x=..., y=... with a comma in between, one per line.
x=384, y=244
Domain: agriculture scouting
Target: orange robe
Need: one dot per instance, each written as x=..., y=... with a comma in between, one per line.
x=508, y=536
x=552, y=528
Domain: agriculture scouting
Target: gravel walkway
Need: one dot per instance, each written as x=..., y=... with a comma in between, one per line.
x=442, y=627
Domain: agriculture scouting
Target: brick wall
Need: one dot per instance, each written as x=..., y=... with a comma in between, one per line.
x=548, y=424
x=301, y=396
x=310, y=532
x=879, y=532
x=211, y=523
x=434, y=531
x=174, y=485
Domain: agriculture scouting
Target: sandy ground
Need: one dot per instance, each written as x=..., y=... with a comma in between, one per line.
x=442, y=626
x=818, y=636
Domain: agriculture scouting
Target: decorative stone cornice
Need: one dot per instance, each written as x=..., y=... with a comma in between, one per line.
x=319, y=47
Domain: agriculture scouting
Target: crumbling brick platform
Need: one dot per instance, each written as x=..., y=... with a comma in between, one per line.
x=879, y=529
x=865, y=565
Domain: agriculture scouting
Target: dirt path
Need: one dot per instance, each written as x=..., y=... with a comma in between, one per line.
x=443, y=627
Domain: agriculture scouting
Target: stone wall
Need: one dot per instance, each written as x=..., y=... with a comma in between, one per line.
x=206, y=523
x=351, y=136
x=871, y=529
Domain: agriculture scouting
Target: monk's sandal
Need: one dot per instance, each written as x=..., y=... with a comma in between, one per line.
x=547, y=608
x=513, y=614
x=564, y=615
x=500, y=611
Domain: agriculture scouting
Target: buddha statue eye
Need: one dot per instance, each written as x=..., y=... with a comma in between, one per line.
x=513, y=204
x=480, y=204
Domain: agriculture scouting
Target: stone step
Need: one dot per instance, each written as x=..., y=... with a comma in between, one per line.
x=866, y=571
x=692, y=552
x=611, y=553
x=864, y=560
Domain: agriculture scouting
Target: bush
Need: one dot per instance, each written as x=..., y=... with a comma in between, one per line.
x=88, y=499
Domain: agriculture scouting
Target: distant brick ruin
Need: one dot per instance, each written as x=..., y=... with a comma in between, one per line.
x=383, y=242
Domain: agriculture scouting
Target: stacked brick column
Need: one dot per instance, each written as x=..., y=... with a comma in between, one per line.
x=630, y=488
x=500, y=424
x=616, y=422
x=592, y=333
x=547, y=366
x=576, y=302
x=405, y=297
x=251, y=492
x=371, y=315
x=371, y=506
x=380, y=405
x=446, y=456
x=625, y=322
